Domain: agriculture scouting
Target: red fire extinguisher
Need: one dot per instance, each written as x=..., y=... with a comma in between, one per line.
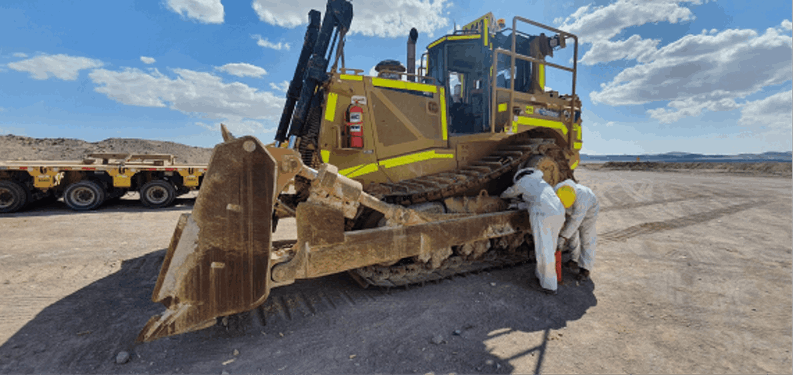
x=355, y=126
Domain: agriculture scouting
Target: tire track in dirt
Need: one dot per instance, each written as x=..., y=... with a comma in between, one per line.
x=676, y=223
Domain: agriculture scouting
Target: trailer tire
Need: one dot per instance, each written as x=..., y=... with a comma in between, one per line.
x=84, y=195
x=12, y=196
x=157, y=194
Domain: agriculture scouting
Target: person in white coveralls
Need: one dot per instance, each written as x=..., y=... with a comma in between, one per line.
x=546, y=214
x=579, y=233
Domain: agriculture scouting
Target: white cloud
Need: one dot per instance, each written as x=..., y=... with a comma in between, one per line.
x=196, y=93
x=243, y=70
x=20, y=54
x=703, y=72
x=147, y=60
x=593, y=24
x=205, y=11
x=384, y=19
x=283, y=86
x=775, y=111
x=60, y=66
x=267, y=44
x=787, y=25
x=634, y=48
x=209, y=127
x=598, y=25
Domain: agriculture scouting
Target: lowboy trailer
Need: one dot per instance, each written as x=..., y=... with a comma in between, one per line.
x=86, y=184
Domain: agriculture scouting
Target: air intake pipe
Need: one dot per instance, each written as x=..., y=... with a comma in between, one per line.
x=414, y=35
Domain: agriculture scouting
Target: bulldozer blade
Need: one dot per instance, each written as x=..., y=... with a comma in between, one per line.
x=218, y=262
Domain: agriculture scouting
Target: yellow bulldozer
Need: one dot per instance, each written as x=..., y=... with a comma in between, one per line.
x=393, y=178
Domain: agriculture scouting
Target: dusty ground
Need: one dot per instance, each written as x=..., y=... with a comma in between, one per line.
x=693, y=275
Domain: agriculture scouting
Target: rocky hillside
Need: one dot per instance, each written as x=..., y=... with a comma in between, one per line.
x=26, y=148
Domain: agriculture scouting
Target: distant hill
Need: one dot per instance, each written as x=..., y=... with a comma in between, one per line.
x=770, y=156
x=27, y=148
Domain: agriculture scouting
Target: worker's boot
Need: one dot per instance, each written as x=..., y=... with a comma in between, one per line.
x=570, y=264
x=583, y=274
x=544, y=290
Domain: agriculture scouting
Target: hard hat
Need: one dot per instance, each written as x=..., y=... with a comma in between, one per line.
x=566, y=193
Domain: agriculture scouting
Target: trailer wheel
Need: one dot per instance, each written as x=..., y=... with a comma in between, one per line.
x=84, y=195
x=12, y=196
x=157, y=194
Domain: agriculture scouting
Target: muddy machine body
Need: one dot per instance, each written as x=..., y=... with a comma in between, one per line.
x=393, y=178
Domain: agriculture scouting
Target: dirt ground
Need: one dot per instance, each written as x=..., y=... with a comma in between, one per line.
x=693, y=275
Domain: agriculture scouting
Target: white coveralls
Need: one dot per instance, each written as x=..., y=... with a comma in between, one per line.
x=546, y=214
x=579, y=228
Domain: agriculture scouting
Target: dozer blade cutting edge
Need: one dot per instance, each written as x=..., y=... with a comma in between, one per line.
x=218, y=262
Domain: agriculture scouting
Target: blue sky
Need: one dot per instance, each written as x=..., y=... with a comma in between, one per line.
x=711, y=77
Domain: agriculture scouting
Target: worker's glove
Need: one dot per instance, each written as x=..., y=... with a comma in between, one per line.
x=511, y=192
x=561, y=243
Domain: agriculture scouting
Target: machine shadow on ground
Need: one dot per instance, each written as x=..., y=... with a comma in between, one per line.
x=475, y=324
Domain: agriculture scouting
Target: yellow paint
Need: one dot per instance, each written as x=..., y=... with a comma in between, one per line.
x=351, y=77
x=485, y=33
x=541, y=72
x=566, y=194
x=487, y=18
x=529, y=110
x=190, y=178
x=122, y=177
x=435, y=43
x=574, y=165
x=502, y=107
x=539, y=123
x=43, y=177
x=577, y=145
x=325, y=155
x=462, y=37
x=395, y=84
x=444, y=131
x=330, y=108
x=577, y=130
x=359, y=170
x=368, y=168
x=413, y=158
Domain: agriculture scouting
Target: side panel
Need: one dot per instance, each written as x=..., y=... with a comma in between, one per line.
x=405, y=129
x=333, y=146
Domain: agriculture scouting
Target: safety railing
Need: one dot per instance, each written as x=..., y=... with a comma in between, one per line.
x=513, y=55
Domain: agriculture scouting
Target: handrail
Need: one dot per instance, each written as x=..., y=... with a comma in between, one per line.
x=514, y=55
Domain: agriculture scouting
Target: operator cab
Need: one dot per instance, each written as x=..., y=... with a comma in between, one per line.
x=463, y=61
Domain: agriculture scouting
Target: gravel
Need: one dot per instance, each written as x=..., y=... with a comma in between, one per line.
x=122, y=357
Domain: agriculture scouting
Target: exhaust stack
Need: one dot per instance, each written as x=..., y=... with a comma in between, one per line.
x=414, y=35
